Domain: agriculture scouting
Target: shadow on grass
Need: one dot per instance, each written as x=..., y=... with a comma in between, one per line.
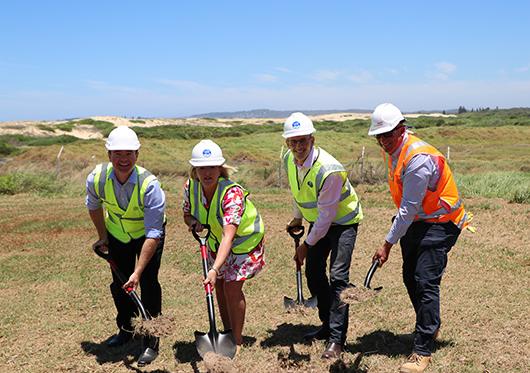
x=384, y=342
x=339, y=366
x=128, y=353
x=292, y=360
x=286, y=334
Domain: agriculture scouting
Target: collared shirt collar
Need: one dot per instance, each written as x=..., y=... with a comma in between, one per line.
x=131, y=180
x=309, y=160
x=396, y=153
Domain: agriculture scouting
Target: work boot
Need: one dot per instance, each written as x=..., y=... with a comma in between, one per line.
x=321, y=333
x=119, y=339
x=332, y=351
x=151, y=346
x=415, y=364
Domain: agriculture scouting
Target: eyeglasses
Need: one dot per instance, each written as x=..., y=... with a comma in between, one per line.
x=387, y=135
x=303, y=141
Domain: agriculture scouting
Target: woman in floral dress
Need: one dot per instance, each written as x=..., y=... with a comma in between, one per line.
x=236, y=231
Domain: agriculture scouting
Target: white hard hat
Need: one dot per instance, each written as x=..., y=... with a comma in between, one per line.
x=206, y=153
x=384, y=119
x=122, y=138
x=297, y=124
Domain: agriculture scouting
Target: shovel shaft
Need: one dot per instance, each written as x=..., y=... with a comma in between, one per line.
x=299, y=295
x=208, y=289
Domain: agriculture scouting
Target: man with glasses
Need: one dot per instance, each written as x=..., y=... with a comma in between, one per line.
x=324, y=197
x=428, y=222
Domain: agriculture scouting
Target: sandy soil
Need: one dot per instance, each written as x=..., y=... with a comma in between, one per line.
x=38, y=128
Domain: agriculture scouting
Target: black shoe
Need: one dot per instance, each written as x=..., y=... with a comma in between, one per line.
x=321, y=333
x=119, y=339
x=150, y=345
x=332, y=351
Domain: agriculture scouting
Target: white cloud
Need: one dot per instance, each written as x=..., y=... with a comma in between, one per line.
x=360, y=77
x=282, y=69
x=266, y=78
x=523, y=69
x=326, y=75
x=442, y=70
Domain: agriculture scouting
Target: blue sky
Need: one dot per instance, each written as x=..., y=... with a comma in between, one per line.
x=63, y=59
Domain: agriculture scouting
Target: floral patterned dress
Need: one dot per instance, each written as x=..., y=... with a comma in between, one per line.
x=237, y=267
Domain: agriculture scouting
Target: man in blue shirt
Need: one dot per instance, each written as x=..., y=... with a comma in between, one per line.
x=126, y=205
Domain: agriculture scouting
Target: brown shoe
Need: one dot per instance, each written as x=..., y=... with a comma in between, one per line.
x=415, y=364
x=332, y=351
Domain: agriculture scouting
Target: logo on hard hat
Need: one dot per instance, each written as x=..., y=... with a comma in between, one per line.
x=206, y=153
x=296, y=124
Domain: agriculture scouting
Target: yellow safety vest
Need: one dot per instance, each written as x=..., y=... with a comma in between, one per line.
x=128, y=224
x=306, y=195
x=250, y=231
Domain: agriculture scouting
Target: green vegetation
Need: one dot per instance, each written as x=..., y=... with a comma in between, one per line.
x=26, y=182
x=137, y=121
x=512, y=186
x=482, y=143
x=46, y=127
x=68, y=126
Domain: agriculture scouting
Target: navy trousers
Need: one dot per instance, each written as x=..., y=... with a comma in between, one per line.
x=424, y=248
x=337, y=244
x=125, y=256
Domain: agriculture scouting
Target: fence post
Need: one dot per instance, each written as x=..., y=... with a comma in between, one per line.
x=58, y=161
x=362, y=165
x=448, y=153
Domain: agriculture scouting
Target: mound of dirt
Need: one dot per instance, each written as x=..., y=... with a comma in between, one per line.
x=218, y=364
x=161, y=326
x=353, y=294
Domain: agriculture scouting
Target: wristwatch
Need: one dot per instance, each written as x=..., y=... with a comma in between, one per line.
x=215, y=270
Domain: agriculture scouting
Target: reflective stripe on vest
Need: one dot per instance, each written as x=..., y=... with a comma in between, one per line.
x=305, y=195
x=438, y=206
x=250, y=231
x=128, y=224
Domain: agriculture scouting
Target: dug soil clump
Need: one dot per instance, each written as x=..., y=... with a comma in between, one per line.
x=218, y=364
x=161, y=326
x=353, y=294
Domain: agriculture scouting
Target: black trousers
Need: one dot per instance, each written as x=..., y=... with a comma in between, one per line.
x=125, y=255
x=337, y=244
x=424, y=248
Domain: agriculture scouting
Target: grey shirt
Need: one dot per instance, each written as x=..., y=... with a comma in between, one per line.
x=419, y=175
x=154, y=201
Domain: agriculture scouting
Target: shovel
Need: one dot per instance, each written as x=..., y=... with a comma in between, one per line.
x=130, y=290
x=370, y=274
x=289, y=303
x=221, y=343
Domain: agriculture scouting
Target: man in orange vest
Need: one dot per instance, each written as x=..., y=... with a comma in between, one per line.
x=428, y=222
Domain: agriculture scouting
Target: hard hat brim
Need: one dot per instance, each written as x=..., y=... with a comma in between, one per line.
x=207, y=162
x=289, y=134
x=122, y=147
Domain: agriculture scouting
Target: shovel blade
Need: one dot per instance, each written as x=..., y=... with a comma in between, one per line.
x=311, y=302
x=222, y=343
x=289, y=303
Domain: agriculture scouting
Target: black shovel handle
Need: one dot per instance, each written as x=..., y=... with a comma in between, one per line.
x=370, y=273
x=296, y=232
x=130, y=291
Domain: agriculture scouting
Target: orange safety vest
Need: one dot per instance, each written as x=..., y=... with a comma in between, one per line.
x=441, y=205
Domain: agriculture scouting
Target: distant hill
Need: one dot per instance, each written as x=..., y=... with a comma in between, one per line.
x=266, y=113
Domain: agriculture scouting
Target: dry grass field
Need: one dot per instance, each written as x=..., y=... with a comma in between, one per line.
x=57, y=309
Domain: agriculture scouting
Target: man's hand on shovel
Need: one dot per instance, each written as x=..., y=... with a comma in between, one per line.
x=132, y=283
x=382, y=253
x=301, y=253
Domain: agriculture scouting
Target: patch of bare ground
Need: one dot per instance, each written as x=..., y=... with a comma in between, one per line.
x=57, y=310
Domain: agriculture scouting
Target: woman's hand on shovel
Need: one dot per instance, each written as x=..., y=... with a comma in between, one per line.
x=211, y=277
